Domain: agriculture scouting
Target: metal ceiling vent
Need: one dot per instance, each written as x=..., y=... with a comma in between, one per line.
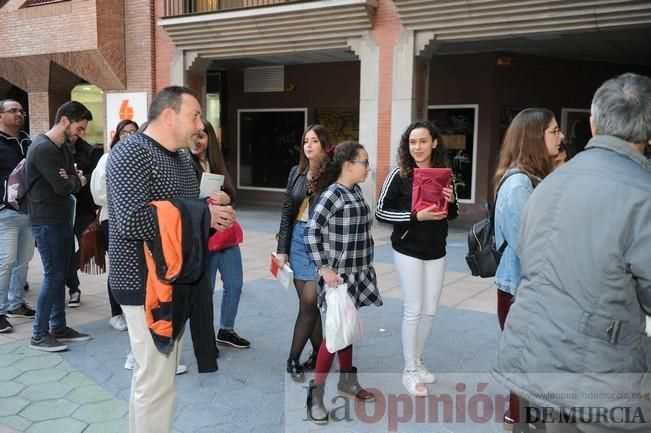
x=264, y=79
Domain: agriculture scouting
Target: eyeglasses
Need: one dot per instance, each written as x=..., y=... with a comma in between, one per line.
x=125, y=133
x=15, y=111
x=361, y=161
x=555, y=131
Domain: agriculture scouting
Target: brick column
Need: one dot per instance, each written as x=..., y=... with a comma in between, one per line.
x=386, y=32
x=39, y=112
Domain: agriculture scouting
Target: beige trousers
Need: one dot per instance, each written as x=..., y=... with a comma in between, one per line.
x=152, y=386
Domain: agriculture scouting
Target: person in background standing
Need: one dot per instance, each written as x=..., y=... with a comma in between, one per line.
x=207, y=158
x=85, y=157
x=16, y=240
x=52, y=177
x=297, y=209
x=123, y=130
x=532, y=141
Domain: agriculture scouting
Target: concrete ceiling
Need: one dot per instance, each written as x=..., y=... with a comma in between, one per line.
x=286, y=59
x=625, y=46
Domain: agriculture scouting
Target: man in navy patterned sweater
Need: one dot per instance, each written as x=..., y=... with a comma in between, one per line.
x=151, y=166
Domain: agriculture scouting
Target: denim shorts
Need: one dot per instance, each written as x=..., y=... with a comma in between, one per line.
x=303, y=266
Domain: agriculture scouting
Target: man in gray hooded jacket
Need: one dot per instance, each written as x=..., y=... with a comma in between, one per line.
x=574, y=344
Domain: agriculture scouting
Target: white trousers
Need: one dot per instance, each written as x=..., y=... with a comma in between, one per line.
x=421, y=282
x=152, y=386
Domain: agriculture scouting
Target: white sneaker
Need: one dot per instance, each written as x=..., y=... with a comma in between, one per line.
x=118, y=323
x=130, y=362
x=413, y=384
x=423, y=373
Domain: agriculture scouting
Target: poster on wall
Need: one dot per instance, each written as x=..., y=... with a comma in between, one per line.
x=342, y=123
x=120, y=106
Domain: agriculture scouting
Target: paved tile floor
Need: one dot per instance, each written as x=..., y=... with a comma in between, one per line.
x=86, y=389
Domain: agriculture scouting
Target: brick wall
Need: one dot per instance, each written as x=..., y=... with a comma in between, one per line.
x=47, y=28
x=386, y=31
x=39, y=119
x=165, y=50
x=108, y=43
x=139, y=46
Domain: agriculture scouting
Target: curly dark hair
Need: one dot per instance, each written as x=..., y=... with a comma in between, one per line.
x=332, y=166
x=439, y=153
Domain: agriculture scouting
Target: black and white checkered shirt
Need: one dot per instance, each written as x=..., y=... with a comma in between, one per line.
x=339, y=235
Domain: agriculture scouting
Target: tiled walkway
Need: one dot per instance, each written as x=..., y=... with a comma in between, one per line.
x=86, y=389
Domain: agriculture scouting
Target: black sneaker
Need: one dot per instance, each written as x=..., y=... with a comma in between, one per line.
x=5, y=326
x=22, y=311
x=69, y=334
x=75, y=300
x=230, y=337
x=47, y=344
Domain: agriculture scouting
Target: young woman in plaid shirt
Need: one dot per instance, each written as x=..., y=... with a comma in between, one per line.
x=340, y=243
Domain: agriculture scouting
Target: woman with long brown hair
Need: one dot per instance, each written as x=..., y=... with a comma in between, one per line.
x=297, y=208
x=418, y=242
x=532, y=141
x=207, y=157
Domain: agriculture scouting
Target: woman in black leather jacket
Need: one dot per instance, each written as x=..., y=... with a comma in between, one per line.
x=298, y=206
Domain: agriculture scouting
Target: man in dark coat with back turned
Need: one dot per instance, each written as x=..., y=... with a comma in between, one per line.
x=574, y=343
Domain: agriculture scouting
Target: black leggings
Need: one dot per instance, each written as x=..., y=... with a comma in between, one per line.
x=308, y=321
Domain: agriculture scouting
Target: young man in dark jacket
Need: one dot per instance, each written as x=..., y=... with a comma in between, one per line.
x=16, y=241
x=53, y=179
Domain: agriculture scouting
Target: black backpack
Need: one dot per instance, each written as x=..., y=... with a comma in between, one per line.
x=483, y=257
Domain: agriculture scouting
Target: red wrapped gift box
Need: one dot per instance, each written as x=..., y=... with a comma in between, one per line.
x=427, y=189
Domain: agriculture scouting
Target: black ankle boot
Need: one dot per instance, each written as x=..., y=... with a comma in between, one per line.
x=349, y=387
x=316, y=411
x=310, y=363
x=295, y=370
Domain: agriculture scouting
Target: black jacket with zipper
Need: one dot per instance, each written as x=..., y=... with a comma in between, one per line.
x=12, y=151
x=297, y=186
x=423, y=240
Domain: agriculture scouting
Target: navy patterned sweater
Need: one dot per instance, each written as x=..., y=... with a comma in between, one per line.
x=140, y=171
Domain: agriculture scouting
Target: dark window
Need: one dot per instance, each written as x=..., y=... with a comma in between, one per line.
x=269, y=145
x=457, y=125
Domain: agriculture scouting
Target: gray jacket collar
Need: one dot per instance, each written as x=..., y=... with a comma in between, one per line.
x=620, y=146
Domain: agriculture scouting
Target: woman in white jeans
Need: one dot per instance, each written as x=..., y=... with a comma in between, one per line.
x=418, y=242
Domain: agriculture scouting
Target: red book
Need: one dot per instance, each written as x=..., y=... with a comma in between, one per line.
x=427, y=188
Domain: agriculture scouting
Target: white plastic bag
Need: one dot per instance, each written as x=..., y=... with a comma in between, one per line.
x=342, y=326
